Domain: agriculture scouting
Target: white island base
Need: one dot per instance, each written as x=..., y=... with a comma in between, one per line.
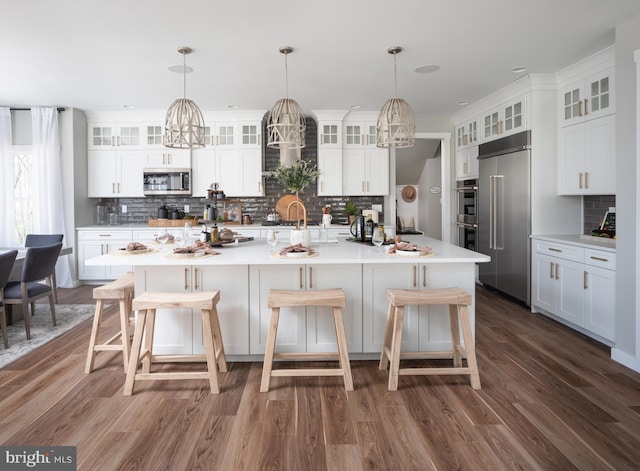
x=244, y=274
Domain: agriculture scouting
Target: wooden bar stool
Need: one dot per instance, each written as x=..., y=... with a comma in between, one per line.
x=458, y=300
x=120, y=290
x=146, y=305
x=333, y=298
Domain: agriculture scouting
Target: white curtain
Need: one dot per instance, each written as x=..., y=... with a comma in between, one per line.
x=48, y=207
x=7, y=214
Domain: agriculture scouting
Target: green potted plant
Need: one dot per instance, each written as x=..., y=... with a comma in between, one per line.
x=351, y=210
x=296, y=178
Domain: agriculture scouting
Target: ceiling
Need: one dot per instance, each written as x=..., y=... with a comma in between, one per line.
x=103, y=55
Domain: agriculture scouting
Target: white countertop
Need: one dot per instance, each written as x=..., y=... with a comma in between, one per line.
x=257, y=252
x=580, y=240
x=233, y=227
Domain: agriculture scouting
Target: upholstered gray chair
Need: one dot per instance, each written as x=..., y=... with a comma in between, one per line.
x=39, y=265
x=38, y=240
x=6, y=264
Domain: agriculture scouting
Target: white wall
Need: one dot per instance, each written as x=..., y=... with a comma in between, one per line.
x=627, y=349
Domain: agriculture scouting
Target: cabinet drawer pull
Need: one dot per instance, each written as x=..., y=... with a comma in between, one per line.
x=186, y=283
x=586, y=110
x=580, y=180
x=310, y=277
x=300, y=273
x=424, y=276
x=600, y=259
x=550, y=269
x=585, y=279
x=195, y=274
x=557, y=271
x=554, y=250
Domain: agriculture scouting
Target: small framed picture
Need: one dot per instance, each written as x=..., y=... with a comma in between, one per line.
x=232, y=211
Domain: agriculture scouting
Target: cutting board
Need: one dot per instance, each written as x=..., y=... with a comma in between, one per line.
x=283, y=204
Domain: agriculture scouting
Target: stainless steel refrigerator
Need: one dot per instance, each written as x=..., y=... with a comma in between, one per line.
x=504, y=214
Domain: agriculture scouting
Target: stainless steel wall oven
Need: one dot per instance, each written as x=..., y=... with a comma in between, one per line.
x=467, y=215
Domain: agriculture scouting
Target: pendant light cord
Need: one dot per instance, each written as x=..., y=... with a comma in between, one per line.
x=395, y=75
x=286, y=77
x=184, y=74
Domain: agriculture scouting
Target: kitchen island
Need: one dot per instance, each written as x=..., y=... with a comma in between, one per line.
x=246, y=271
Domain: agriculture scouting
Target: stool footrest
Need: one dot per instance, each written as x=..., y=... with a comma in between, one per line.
x=434, y=371
x=107, y=348
x=178, y=358
x=172, y=375
x=306, y=356
x=308, y=372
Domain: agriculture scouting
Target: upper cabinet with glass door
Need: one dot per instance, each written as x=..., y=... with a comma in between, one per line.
x=359, y=134
x=113, y=135
x=508, y=118
x=467, y=134
x=587, y=92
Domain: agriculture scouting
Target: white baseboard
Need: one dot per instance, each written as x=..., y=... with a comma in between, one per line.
x=625, y=359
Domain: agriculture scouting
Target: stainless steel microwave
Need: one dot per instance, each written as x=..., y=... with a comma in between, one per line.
x=167, y=181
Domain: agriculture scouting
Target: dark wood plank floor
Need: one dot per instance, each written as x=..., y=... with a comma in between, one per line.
x=551, y=399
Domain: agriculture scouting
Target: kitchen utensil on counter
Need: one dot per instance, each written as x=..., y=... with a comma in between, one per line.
x=163, y=212
x=273, y=216
x=326, y=220
x=357, y=228
x=246, y=219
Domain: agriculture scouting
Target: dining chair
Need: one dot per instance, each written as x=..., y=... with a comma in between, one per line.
x=38, y=240
x=6, y=264
x=39, y=265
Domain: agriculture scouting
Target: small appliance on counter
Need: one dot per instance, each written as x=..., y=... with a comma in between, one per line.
x=607, y=228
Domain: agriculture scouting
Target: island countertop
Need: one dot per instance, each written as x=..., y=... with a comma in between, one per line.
x=257, y=252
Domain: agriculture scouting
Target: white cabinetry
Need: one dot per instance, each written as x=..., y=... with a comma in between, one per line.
x=467, y=134
x=92, y=243
x=425, y=327
x=220, y=148
x=587, y=157
x=169, y=158
x=575, y=285
x=305, y=329
x=330, y=152
x=179, y=331
x=115, y=173
x=104, y=135
x=586, y=134
x=467, y=165
x=508, y=118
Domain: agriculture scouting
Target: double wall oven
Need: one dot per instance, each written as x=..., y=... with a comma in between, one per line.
x=467, y=214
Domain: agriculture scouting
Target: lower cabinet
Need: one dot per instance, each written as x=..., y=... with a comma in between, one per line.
x=305, y=329
x=94, y=243
x=179, y=331
x=575, y=285
x=425, y=328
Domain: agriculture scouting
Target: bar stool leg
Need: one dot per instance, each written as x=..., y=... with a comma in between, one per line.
x=396, y=340
x=147, y=352
x=469, y=347
x=132, y=367
x=386, y=343
x=342, y=348
x=455, y=335
x=217, y=341
x=210, y=349
x=125, y=311
x=97, y=320
x=270, y=349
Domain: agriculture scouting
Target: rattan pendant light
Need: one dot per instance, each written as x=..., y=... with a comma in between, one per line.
x=184, y=124
x=396, y=123
x=286, y=125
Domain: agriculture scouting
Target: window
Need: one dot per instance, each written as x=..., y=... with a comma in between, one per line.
x=23, y=172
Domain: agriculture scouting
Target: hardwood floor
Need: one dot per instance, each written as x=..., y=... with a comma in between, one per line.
x=551, y=399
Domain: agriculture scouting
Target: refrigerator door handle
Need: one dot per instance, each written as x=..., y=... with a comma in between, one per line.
x=491, y=209
x=498, y=230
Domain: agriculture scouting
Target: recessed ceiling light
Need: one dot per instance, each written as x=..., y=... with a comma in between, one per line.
x=463, y=103
x=233, y=107
x=519, y=69
x=128, y=106
x=354, y=107
x=427, y=69
x=179, y=69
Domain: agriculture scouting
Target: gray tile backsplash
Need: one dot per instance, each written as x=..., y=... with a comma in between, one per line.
x=594, y=208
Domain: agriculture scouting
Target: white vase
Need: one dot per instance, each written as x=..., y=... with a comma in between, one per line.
x=300, y=236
